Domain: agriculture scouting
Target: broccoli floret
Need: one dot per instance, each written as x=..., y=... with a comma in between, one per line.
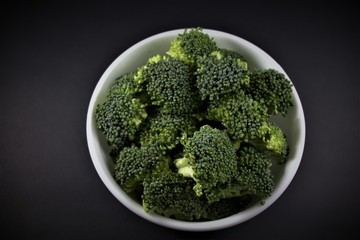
x=254, y=173
x=273, y=89
x=246, y=120
x=227, y=207
x=253, y=177
x=171, y=195
x=272, y=141
x=191, y=45
x=209, y=159
x=240, y=114
x=166, y=130
x=122, y=113
x=134, y=164
x=139, y=76
x=170, y=85
x=226, y=53
x=218, y=74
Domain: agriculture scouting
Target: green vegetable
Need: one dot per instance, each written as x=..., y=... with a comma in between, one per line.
x=209, y=159
x=226, y=52
x=189, y=130
x=121, y=115
x=191, y=45
x=166, y=130
x=172, y=195
x=253, y=177
x=169, y=83
x=272, y=141
x=134, y=164
x=227, y=207
x=241, y=115
x=271, y=88
x=218, y=74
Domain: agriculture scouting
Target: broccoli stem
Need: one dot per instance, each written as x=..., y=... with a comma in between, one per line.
x=184, y=168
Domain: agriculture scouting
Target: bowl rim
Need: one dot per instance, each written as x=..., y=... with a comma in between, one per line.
x=113, y=187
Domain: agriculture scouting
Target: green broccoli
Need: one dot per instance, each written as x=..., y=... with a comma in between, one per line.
x=134, y=164
x=271, y=88
x=227, y=207
x=272, y=141
x=209, y=159
x=240, y=114
x=171, y=195
x=253, y=177
x=170, y=85
x=225, y=52
x=122, y=113
x=139, y=77
x=254, y=173
x=220, y=73
x=191, y=45
x=166, y=130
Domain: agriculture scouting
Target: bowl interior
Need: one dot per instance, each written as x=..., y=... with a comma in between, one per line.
x=293, y=126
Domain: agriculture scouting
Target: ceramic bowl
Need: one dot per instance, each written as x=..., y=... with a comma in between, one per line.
x=293, y=125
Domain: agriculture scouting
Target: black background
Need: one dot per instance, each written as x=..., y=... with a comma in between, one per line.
x=52, y=55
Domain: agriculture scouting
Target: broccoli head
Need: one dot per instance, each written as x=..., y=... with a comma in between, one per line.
x=139, y=76
x=271, y=88
x=253, y=177
x=272, y=141
x=122, y=113
x=240, y=114
x=225, y=52
x=227, y=207
x=191, y=45
x=254, y=173
x=171, y=195
x=220, y=73
x=134, y=164
x=170, y=85
x=166, y=130
x=209, y=159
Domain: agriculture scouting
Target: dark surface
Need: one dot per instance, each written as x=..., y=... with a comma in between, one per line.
x=52, y=57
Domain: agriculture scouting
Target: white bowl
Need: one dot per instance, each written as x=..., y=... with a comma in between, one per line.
x=293, y=126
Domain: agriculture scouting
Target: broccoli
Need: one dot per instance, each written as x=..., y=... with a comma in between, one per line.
x=134, y=164
x=172, y=195
x=227, y=207
x=166, y=130
x=254, y=173
x=272, y=141
x=122, y=113
x=271, y=88
x=209, y=158
x=220, y=73
x=191, y=45
x=246, y=120
x=190, y=131
x=236, y=55
x=170, y=85
x=253, y=177
x=139, y=77
x=240, y=114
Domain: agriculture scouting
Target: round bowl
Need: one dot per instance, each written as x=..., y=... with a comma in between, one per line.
x=293, y=125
